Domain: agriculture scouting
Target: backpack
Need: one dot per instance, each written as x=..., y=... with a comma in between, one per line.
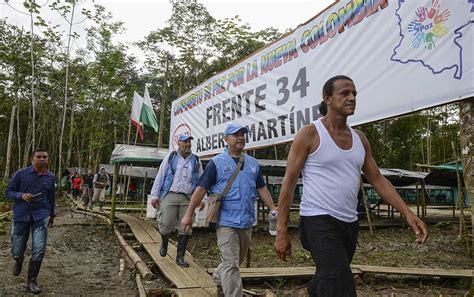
x=173, y=170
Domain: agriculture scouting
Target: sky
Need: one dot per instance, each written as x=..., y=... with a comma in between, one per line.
x=142, y=16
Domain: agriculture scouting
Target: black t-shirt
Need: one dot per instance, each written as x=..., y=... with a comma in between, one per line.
x=209, y=176
x=88, y=179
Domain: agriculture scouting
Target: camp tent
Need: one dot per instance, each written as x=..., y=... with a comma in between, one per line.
x=133, y=156
x=138, y=155
x=445, y=175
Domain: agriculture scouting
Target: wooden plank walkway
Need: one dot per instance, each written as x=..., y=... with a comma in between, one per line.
x=277, y=272
x=192, y=281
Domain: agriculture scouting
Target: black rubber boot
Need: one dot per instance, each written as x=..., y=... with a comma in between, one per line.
x=33, y=270
x=18, y=265
x=164, y=245
x=85, y=201
x=101, y=203
x=182, y=243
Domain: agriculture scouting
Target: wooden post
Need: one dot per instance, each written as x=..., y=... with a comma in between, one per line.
x=263, y=204
x=143, y=193
x=417, y=200
x=122, y=182
x=129, y=128
x=452, y=203
x=116, y=167
x=366, y=206
x=128, y=184
x=423, y=200
x=462, y=224
x=247, y=263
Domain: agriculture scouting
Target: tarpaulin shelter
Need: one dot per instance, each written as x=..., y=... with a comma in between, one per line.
x=445, y=175
x=133, y=156
x=138, y=155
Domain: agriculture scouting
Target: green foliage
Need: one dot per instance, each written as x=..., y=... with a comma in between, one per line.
x=102, y=76
x=444, y=225
x=3, y=187
x=423, y=137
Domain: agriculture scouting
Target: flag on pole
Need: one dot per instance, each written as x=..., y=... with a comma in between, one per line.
x=147, y=115
x=136, y=112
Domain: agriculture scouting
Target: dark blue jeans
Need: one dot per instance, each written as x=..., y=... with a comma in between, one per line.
x=39, y=234
x=332, y=245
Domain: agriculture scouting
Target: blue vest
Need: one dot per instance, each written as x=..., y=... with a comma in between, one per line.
x=172, y=162
x=237, y=208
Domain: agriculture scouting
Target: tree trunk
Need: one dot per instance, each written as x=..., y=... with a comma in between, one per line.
x=71, y=134
x=18, y=138
x=467, y=140
x=63, y=120
x=9, y=144
x=26, y=149
x=33, y=103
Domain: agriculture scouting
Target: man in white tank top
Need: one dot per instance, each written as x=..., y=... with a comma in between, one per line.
x=331, y=155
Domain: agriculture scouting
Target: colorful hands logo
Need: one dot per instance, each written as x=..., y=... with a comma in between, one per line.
x=429, y=25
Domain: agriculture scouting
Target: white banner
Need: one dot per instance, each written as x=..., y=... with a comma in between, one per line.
x=403, y=56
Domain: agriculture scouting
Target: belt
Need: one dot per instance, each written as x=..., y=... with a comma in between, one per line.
x=178, y=193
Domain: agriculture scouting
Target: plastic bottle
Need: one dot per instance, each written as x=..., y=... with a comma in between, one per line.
x=272, y=222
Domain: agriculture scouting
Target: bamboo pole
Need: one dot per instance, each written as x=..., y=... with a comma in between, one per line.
x=128, y=184
x=143, y=193
x=116, y=167
x=141, y=289
x=129, y=130
x=366, y=206
x=423, y=200
x=136, y=260
x=417, y=199
x=452, y=203
x=462, y=223
x=5, y=215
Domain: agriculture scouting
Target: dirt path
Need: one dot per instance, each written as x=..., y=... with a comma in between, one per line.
x=82, y=258
x=388, y=247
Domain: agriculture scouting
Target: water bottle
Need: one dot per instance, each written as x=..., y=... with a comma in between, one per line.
x=272, y=222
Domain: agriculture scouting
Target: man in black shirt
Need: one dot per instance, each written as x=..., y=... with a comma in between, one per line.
x=87, y=183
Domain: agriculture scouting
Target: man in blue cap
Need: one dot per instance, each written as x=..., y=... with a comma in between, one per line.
x=237, y=217
x=176, y=180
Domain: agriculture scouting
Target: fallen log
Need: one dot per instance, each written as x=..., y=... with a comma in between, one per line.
x=137, y=261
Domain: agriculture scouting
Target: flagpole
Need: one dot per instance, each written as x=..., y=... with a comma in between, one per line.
x=129, y=128
x=136, y=137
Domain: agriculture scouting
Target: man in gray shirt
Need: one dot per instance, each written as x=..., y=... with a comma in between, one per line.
x=176, y=180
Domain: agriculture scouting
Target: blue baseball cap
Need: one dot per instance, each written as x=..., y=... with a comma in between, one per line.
x=234, y=128
x=184, y=137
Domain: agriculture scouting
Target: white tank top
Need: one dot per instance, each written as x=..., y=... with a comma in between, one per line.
x=331, y=178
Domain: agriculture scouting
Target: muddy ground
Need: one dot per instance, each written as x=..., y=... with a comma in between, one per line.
x=83, y=258
x=388, y=247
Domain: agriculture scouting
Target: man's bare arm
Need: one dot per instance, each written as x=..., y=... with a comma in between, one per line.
x=306, y=141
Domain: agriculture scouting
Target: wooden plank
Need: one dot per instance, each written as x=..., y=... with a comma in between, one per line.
x=276, y=272
x=416, y=271
x=199, y=292
x=156, y=236
x=194, y=272
x=141, y=235
x=169, y=268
